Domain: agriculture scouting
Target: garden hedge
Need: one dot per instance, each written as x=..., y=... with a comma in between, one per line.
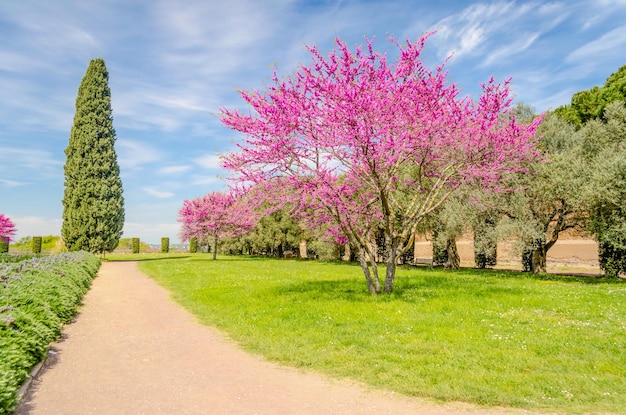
x=37, y=295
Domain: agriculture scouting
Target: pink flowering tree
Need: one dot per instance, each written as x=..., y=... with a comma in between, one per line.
x=7, y=230
x=214, y=216
x=368, y=145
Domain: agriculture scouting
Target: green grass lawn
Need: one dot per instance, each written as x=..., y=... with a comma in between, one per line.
x=487, y=337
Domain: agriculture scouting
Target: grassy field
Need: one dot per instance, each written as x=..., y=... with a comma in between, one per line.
x=487, y=337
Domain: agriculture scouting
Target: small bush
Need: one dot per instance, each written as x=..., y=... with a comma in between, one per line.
x=165, y=245
x=193, y=245
x=37, y=295
x=135, y=245
x=612, y=260
x=4, y=246
x=36, y=244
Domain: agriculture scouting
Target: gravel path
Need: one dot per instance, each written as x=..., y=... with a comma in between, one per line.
x=132, y=350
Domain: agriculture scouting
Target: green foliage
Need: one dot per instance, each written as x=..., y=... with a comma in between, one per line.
x=325, y=251
x=604, y=146
x=590, y=104
x=37, y=295
x=37, y=244
x=193, y=245
x=165, y=245
x=93, y=205
x=491, y=337
x=135, y=245
x=486, y=238
x=4, y=246
x=12, y=258
x=550, y=197
x=613, y=258
x=275, y=234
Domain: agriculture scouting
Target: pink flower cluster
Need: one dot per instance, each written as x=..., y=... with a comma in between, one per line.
x=7, y=228
x=216, y=214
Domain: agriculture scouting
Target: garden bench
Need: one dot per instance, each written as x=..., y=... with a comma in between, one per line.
x=423, y=261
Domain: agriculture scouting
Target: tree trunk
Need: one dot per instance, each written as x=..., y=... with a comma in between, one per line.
x=390, y=274
x=215, y=247
x=539, y=259
x=534, y=259
x=373, y=283
x=454, y=260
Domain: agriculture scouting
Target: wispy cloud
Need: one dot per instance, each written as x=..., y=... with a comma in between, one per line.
x=199, y=180
x=208, y=161
x=158, y=193
x=12, y=183
x=601, y=48
x=524, y=42
x=174, y=170
x=133, y=155
x=29, y=158
x=499, y=30
x=465, y=32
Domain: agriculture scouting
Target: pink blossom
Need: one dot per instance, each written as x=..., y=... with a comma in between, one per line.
x=214, y=216
x=7, y=228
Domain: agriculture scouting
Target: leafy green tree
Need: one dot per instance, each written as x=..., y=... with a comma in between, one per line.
x=276, y=233
x=552, y=198
x=590, y=104
x=93, y=203
x=604, y=146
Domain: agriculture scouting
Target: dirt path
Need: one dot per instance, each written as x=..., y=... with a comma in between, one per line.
x=132, y=350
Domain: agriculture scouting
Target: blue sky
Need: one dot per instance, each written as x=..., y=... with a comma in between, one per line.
x=173, y=63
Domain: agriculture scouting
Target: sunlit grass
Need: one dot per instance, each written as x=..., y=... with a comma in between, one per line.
x=487, y=337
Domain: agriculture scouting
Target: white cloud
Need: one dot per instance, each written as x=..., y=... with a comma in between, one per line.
x=12, y=183
x=208, y=161
x=172, y=170
x=158, y=193
x=465, y=32
x=29, y=158
x=132, y=154
x=605, y=46
x=232, y=24
x=36, y=226
x=524, y=41
x=198, y=180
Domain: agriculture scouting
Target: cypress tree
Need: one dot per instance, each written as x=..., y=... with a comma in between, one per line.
x=93, y=204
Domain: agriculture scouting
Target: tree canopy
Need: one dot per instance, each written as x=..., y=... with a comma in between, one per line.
x=213, y=216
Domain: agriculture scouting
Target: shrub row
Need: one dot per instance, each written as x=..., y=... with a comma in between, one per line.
x=12, y=258
x=37, y=295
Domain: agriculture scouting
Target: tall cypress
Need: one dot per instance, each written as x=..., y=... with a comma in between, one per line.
x=93, y=202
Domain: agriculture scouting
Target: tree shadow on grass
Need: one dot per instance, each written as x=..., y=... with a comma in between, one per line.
x=145, y=259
